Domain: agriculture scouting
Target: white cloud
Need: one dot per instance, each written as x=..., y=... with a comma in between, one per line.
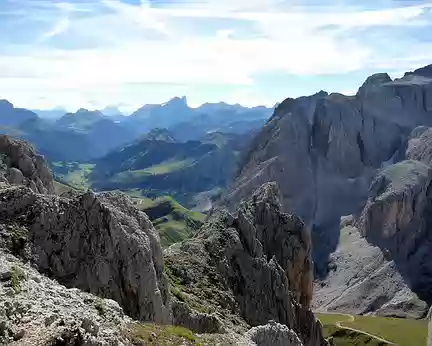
x=115, y=48
x=60, y=27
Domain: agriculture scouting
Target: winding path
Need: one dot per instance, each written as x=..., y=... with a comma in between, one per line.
x=352, y=319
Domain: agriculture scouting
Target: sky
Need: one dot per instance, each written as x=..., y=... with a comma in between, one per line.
x=95, y=53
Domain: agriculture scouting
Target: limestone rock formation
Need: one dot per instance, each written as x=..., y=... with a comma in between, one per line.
x=324, y=152
x=362, y=280
x=20, y=165
x=257, y=263
x=382, y=261
x=397, y=219
x=98, y=243
x=264, y=230
x=35, y=310
x=420, y=145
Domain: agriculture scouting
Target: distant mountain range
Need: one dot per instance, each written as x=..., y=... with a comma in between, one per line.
x=160, y=165
x=86, y=135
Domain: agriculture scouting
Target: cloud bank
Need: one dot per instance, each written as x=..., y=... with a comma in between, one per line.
x=94, y=53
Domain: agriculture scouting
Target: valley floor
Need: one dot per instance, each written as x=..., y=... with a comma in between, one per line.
x=373, y=331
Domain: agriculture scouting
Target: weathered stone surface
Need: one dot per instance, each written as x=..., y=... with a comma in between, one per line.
x=420, y=145
x=234, y=265
x=362, y=280
x=98, y=243
x=273, y=334
x=265, y=230
x=382, y=261
x=35, y=310
x=20, y=165
x=397, y=218
x=198, y=322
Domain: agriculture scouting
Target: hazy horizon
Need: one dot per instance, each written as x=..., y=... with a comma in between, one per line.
x=91, y=54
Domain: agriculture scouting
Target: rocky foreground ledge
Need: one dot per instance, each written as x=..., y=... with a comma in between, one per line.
x=89, y=270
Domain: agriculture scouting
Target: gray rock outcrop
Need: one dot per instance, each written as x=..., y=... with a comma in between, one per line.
x=397, y=219
x=257, y=263
x=35, y=310
x=420, y=145
x=21, y=165
x=98, y=243
x=363, y=280
x=382, y=262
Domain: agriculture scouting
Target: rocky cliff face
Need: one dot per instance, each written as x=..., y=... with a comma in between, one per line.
x=101, y=244
x=19, y=164
x=397, y=219
x=257, y=262
x=382, y=261
x=420, y=145
x=324, y=151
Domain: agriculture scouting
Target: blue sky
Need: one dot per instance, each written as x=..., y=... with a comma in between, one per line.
x=94, y=53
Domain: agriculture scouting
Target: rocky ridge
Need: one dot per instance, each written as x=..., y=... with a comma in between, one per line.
x=101, y=244
x=233, y=266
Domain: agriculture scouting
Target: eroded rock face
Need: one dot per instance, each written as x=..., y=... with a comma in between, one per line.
x=20, y=165
x=397, y=219
x=363, y=280
x=234, y=265
x=266, y=231
x=98, y=243
x=324, y=150
x=420, y=145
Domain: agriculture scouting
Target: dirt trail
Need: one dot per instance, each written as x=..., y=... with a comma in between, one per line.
x=352, y=319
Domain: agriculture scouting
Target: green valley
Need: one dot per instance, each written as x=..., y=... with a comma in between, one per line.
x=373, y=330
x=173, y=221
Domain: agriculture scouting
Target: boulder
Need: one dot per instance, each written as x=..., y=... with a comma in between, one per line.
x=273, y=334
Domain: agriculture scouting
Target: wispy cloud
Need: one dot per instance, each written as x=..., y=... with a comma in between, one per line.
x=83, y=52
